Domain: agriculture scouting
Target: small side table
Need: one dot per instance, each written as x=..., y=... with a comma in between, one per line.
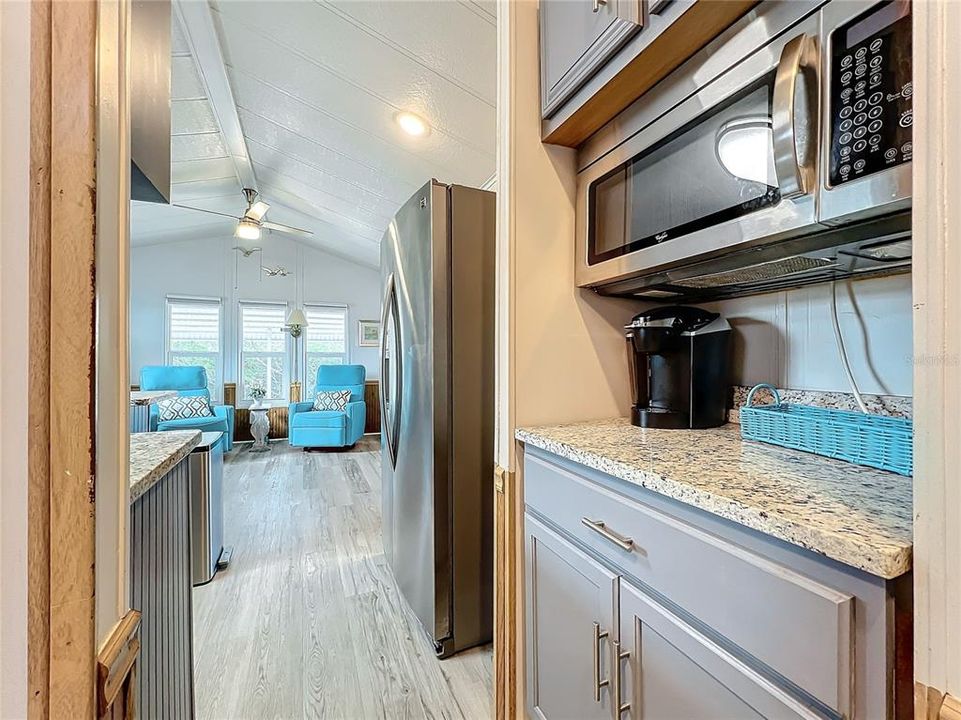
x=259, y=428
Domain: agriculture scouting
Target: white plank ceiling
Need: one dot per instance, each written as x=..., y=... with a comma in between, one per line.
x=316, y=87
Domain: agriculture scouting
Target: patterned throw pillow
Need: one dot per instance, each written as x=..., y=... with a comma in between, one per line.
x=332, y=400
x=179, y=408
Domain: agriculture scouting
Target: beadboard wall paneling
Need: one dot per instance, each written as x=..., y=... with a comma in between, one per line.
x=787, y=338
x=276, y=417
x=372, y=398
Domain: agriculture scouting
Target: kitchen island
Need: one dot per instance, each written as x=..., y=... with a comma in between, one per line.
x=776, y=582
x=154, y=454
x=140, y=402
x=160, y=570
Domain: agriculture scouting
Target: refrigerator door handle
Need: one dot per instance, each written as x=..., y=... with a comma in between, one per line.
x=390, y=396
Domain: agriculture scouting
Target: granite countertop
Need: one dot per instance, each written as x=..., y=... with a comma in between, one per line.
x=856, y=515
x=148, y=397
x=154, y=454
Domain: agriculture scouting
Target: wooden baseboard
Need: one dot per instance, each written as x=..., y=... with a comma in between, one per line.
x=950, y=708
x=115, y=664
x=932, y=704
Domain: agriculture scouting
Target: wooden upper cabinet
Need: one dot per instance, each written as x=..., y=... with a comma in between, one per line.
x=598, y=57
x=577, y=38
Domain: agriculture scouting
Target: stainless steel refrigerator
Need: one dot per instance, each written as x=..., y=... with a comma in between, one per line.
x=437, y=410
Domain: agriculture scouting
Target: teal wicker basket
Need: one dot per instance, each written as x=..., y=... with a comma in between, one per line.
x=873, y=440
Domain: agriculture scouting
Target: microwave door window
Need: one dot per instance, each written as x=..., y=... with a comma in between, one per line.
x=609, y=212
x=717, y=168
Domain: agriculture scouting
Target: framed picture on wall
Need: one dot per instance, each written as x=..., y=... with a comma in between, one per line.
x=368, y=333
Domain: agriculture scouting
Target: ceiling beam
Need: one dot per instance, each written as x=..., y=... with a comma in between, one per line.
x=197, y=24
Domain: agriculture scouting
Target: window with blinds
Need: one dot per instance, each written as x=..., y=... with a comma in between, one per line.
x=263, y=350
x=193, y=337
x=325, y=341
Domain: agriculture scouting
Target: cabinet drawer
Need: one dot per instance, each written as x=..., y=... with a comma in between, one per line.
x=800, y=628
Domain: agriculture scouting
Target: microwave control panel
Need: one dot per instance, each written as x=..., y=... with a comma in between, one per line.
x=871, y=114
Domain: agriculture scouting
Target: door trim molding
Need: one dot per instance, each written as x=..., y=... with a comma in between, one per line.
x=506, y=539
x=937, y=348
x=61, y=470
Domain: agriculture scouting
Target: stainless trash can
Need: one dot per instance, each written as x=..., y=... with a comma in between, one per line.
x=207, y=508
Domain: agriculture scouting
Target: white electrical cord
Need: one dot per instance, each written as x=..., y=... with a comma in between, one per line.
x=841, y=351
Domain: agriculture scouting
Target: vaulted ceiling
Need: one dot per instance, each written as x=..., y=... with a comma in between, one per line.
x=300, y=98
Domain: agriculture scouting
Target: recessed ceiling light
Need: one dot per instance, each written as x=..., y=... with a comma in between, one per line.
x=412, y=124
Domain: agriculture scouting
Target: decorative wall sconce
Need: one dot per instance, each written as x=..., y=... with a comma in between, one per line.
x=296, y=322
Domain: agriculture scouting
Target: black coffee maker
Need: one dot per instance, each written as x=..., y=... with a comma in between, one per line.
x=679, y=367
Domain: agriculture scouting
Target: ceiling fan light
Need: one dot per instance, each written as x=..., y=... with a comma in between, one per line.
x=247, y=230
x=412, y=124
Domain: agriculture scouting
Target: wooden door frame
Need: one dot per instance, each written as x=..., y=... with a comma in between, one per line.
x=62, y=490
x=506, y=538
x=937, y=360
x=76, y=485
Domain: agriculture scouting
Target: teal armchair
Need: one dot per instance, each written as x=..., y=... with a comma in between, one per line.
x=330, y=428
x=187, y=380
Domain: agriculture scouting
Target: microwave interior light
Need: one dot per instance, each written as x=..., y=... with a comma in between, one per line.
x=744, y=149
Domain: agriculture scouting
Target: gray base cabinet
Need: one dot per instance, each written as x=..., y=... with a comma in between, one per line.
x=573, y=605
x=670, y=670
x=641, y=607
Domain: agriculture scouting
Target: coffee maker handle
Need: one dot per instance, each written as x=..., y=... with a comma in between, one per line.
x=639, y=375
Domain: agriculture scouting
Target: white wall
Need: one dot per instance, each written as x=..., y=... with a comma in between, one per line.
x=211, y=268
x=561, y=353
x=787, y=338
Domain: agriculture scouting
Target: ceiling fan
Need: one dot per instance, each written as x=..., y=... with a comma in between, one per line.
x=251, y=223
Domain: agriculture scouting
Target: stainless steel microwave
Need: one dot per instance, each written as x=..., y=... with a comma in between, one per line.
x=778, y=156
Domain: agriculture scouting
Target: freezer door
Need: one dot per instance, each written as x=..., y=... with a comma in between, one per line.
x=415, y=467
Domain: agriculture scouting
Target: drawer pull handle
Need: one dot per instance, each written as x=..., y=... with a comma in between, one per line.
x=598, y=683
x=597, y=5
x=617, y=707
x=598, y=526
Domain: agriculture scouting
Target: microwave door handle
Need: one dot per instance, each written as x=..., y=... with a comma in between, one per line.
x=795, y=176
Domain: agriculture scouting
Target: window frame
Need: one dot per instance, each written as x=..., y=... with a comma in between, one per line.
x=242, y=399
x=308, y=382
x=216, y=389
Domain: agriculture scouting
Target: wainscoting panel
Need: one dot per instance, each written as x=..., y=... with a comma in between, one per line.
x=372, y=398
x=277, y=417
x=160, y=588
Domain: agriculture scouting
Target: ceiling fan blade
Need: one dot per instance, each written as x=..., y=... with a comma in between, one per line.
x=209, y=212
x=257, y=210
x=286, y=229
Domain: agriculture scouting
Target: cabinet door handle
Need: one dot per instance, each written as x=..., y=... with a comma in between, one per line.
x=597, y=5
x=598, y=526
x=598, y=683
x=616, y=706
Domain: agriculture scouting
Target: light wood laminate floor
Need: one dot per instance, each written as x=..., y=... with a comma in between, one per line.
x=307, y=621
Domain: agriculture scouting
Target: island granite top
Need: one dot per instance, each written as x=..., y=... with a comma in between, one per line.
x=856, y=515
x=149, y=397
x=154, y=454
